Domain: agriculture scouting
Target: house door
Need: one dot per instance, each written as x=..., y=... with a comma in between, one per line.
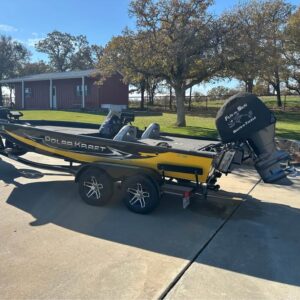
x=54, y=103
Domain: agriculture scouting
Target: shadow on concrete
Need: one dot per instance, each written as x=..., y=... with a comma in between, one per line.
x=169, y=230
x=11, y=173
x=172, y=231
x=261, y=240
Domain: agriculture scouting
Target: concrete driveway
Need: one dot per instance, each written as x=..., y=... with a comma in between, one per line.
x=242, y=243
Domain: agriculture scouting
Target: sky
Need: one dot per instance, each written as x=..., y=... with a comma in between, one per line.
x=28, y=21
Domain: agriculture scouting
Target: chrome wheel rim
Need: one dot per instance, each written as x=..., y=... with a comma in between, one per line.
x=138, y=195
x=93, y=188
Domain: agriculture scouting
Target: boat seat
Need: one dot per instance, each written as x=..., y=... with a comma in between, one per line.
x=127, y=133
x=151, y=132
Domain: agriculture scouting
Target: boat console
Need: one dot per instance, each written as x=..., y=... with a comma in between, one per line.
x=114, y=122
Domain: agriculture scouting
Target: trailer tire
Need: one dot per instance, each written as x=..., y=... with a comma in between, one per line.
x=95, y=187
x=140, y=194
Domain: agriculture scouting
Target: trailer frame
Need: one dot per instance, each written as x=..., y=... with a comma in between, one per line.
x=115, y=172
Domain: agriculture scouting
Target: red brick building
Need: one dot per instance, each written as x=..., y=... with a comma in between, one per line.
x=68, y=90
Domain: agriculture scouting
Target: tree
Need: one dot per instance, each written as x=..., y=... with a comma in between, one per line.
x=97, y=52
x=256, y=41
x=243, y=43
x=218, y=91
x=13, y=55
x=60, y=48
x=176, y=41
x=292, y=52
x=170, y=97
x=31, y=68
x=123, y=54
x=67, y=52
x=261, y=88
x=179, y=42
x=85, y=56
x=151, y=86
x=276, y=14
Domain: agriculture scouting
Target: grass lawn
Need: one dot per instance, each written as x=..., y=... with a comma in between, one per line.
x=290, y=102
x=288, y=125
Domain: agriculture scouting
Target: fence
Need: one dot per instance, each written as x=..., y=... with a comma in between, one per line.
x=196, y=103
x=167, y=103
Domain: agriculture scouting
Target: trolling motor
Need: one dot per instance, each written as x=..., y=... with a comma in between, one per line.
x=244, y=118
x=10, y=115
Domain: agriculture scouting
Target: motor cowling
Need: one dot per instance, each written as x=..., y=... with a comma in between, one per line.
x=244, y=117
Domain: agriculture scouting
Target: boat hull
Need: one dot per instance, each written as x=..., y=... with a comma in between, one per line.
x=87, y=149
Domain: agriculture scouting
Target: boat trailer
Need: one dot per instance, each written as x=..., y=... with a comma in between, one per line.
x=148, y=164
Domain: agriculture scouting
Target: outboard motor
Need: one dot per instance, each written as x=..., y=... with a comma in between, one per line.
x=245, y=118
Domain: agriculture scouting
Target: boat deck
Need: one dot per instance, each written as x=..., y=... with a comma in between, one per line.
x=174, y=142
x=178, y=143
x=70, y=130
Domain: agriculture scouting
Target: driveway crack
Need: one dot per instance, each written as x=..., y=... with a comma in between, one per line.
x=188, y=265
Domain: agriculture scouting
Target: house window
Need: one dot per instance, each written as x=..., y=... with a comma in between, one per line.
x=28, y=92
x=79, y=90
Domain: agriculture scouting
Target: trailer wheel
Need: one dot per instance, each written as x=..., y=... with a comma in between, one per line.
x=95, y=187
x=140, y=194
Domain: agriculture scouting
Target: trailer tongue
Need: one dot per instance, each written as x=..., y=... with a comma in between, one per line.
x=153, y=164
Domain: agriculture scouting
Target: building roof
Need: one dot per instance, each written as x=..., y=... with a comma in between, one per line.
x=55, y=75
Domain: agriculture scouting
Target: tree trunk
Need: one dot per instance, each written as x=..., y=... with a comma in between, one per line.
x=278, y=94
x=170, y=100
x=11, y=104
x=249, y=85
x=180, y=97
x=143, y=89
x=148, y=97
x=152, y=90
x=142, y=96
x=151, y=95
x=1, y=96
x=10, y=94
x=190, y=100
x=268, y=90
x=277, y=88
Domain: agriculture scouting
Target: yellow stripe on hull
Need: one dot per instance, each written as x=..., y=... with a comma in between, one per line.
x=150, y=160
